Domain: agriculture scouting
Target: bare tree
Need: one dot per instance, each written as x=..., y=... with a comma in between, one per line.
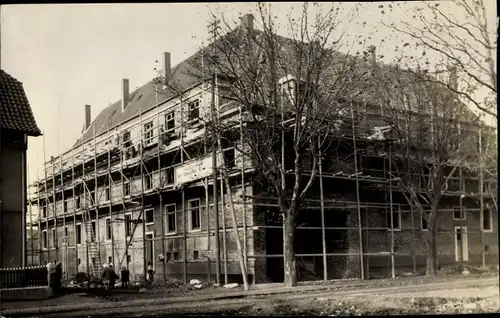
x=428, y=143
x=488, y=161
x=463, y=39
x=289, y=90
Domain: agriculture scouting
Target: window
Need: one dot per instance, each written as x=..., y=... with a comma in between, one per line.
x=93, y=261
x=195, y=255
x=176, y=256
x=110, y=260
x=128, y=225
x=150, y=216
x=65, y=206
x=424, y=224
x=54, y=240
x=44, y=211
x=125, y=136
x=396, y=220
x=77, y=202
x=170, y=176
x=194, y=207
x=148, y=133
x=79, y=261
x=108, y=229
x=169, y=256
x=456, y=214
x=66, y=231
x=126, y=188
x=487, y=220
x=148, y=182
x=78, y=234
x=229, y=158
x=170, y=219
x=106, y=194
x=170, y=121
x=194, y=112
x=486, y=248
x=129, y=259
x=44, y=239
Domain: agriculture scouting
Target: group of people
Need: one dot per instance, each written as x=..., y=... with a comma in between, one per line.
x=109, y=276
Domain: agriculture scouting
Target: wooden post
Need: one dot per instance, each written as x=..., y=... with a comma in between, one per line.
x=322, y=203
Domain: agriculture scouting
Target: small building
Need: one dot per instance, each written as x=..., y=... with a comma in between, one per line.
x=16, y=124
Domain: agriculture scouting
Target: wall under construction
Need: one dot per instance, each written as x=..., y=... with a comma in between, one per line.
x=142, y=190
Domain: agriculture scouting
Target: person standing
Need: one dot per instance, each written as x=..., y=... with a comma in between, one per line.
x=113, y=275
x=50, y=274
x=125, y=277
x=58, y=277
x=150, y=273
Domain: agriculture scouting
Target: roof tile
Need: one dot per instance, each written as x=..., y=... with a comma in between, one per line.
x=15, y=110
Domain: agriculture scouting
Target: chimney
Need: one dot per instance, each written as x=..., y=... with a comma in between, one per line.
x=167, y=67
x=373, y=56
x=247, y=22
x=87, y=116
x=125, y=93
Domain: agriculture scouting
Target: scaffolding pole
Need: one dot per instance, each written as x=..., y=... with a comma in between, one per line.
x=243, y=190
x=65, y=238
x=184, y=223
x=55, y=236
x=31, y=214
x=358, y=208
x=323, y=234
x=207, y=207
x=481, y=197
x=74, y=206
x=142, y=214
x=39, y=210
x=47, y=200
x=393, y=265
x=213, y=27
x=110, y=195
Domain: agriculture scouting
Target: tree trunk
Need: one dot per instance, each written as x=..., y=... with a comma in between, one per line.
x=289, y=262
x=431, y=268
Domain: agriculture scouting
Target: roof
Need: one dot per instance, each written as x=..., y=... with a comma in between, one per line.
x=142, y=99
x=184, y=75
x=15, y=110
x=188, y=73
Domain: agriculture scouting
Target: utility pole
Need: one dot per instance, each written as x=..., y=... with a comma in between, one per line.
x=213, y=31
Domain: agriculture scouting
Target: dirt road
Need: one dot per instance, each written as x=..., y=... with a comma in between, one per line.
x=301, y=302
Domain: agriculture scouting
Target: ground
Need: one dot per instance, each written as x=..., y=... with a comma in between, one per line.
x=412, y=296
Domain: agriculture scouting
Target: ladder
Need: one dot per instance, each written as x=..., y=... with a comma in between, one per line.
x=93, y=248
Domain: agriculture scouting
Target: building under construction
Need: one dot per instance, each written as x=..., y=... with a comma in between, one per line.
x=138, y=186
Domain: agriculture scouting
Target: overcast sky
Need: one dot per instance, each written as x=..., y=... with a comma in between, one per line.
x=71, y=55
